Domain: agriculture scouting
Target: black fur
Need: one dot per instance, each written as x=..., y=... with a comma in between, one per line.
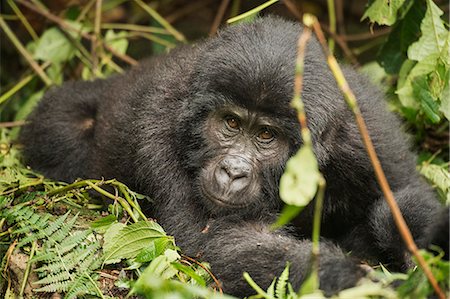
x=147, y=129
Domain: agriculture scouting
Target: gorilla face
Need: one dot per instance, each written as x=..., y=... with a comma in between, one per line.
x=245, y=144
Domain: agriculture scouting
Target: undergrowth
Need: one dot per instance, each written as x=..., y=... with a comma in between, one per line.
x=90, y=238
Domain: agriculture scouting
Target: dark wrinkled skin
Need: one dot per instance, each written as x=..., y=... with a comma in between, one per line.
x=167, y=129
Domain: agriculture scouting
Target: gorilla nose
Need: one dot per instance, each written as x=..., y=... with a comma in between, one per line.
x=234, y=173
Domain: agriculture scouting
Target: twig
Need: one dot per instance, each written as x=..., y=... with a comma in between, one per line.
x=216, y=281
x=24, y=20
x=134, y=27
x=25, y=53
x=366, y=35
x=332, y=21
x=122, y=201
x=12, y=124
x=347, y=51
x=306, y=136
x=292, y=7
x=16, y=88
x=381, y=178
x=251, y=11
x=158, y=18
x=27, y=269
x=66, y=26
x=96, y=36
x=219, y=16
x=340, y=17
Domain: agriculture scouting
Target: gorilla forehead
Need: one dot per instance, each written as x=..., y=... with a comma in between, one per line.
x=251, y=64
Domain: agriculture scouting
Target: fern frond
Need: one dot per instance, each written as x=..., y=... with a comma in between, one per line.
x=83, y=285
x=281, y=285
x=63, y=231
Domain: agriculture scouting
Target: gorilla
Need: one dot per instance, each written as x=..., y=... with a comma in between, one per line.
x=206, y=131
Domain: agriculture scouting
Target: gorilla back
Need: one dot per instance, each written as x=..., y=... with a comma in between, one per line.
x=206, y=131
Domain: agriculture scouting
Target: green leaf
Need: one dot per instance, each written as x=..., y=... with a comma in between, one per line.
x=299, y=183
x=190, y=272
x=54, y=46
x=155, y=249
x=383, y=12
x=282, y=281
x=287, y=214
x=405, y=91
x=434, y=34
x=437, y=175
x=117, y=41
x=394, y=51
x=445, y=102
x=427, y=101
x=311, y=283
x=131, y=240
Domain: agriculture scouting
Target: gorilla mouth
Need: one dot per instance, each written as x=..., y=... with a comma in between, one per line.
x=219, y=201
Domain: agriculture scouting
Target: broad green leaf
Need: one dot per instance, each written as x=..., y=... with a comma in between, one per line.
x=394, y=51
x=383, y=12
x=405, y=91
x=155, y=249
x=428, y=103
x=299, y=183
x=445, y=102
x=434, y=34
x=131, y=240
x=54, y=46
x=117, y=41
x=439, y=176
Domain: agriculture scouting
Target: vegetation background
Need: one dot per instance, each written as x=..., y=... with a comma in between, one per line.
x=58, y=239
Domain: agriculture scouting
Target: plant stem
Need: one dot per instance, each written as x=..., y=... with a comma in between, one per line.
x=332, y=17
x=25, y=53
x=381, y=177
x=27, y=270
x=122, y=201
x=155, y=15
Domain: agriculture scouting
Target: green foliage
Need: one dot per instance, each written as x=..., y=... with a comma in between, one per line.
x=67, y=250
x=131, y=240
x=383, y=12
x=298, y=185
x=421, y=61
x=67, y=258
x=417, y=286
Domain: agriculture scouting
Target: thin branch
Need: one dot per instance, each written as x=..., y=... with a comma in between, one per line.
x=216, y=281
x=16, y=88
x=292, y=7
x=95, y=45
x=24, y=20
x=68, y=27
x=366, y=35
x=219, y=17
x=155, y=15
x=25, y=53
x=381, y=177
x=134, y=27
x=332, y=21
x=340, y=17
x=12, y=124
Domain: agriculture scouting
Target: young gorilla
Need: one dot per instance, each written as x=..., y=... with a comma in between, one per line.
x=206, y=131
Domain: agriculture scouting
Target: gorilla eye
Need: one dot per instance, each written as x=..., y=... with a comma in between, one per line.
x=232, y=122
x=266, y=135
